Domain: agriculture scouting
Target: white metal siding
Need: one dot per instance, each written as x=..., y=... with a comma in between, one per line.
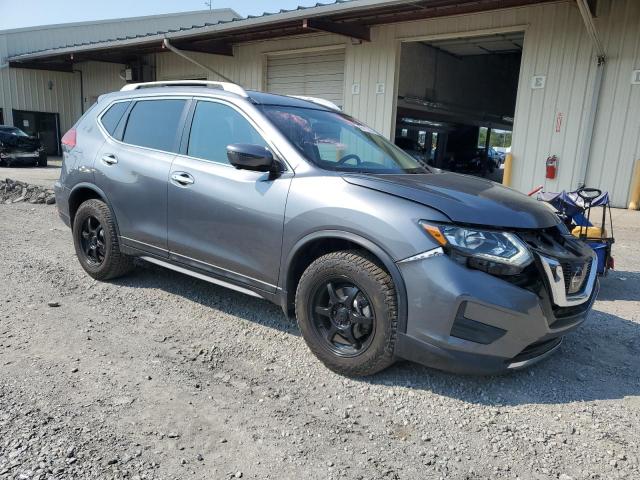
x=40, y=91
x=316, y=74
x=24, y=89
x=248, y=65
x=616, y=142
x=100, y=78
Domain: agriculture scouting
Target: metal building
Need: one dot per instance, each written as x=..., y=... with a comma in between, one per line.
x=563, y=76
x=48, y=102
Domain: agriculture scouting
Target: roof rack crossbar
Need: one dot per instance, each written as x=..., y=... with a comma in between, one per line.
x=226, y=86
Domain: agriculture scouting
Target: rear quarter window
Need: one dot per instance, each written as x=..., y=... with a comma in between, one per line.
x=113, y=115
x=154, y=124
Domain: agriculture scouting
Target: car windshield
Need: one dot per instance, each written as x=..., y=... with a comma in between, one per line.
x=334, y=141
x=13, y=131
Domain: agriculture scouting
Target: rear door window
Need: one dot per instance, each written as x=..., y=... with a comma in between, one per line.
x=113, y=115
x=215, y=126
x=154, y=124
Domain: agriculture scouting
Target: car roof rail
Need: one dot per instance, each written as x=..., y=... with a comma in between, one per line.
x=319, y=101
x=226, y=86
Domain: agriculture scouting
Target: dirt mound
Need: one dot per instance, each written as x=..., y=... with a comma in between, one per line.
x=15, y=191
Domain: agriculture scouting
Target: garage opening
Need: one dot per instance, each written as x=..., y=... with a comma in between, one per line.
x=456, y=101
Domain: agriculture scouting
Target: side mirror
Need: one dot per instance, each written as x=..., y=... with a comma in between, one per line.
x=251, y=157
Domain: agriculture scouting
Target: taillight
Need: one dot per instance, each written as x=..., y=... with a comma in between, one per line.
x=69, y=139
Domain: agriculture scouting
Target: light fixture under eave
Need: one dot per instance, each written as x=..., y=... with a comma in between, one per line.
x=416, y=121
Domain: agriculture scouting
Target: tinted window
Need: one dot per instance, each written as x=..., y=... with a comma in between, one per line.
x=214, y=127
x=113, y=115
x=154, y=124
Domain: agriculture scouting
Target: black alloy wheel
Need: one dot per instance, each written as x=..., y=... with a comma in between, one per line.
x=96, y=241
x=346, y=307
x=343, y=317
x=92, y=240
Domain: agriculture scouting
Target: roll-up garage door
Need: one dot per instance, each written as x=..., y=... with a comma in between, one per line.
x=315, y=74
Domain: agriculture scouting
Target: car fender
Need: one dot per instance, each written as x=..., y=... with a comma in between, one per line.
x=101, y=194
x=365, y=243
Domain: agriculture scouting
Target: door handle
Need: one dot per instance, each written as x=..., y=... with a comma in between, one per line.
x=109, y=159
x=182, y=178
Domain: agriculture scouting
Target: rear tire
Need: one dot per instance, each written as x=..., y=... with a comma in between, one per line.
x=96, y=242
x=42, y=160
x=346, y=307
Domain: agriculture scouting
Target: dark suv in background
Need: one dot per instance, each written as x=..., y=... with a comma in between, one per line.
x=291, y=200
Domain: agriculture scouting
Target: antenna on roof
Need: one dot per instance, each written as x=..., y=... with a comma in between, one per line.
x=209, y=3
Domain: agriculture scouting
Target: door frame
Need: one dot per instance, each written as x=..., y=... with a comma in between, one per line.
x=450, y=35
x=56, y=116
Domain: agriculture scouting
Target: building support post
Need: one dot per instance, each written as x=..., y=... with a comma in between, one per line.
x=584, y=152
x=634, y=198
x=508, y=168
x=81, y=91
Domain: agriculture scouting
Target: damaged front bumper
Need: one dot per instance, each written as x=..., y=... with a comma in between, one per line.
x=466, y=321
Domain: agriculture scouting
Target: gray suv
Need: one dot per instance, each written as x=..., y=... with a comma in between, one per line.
x=290, y=200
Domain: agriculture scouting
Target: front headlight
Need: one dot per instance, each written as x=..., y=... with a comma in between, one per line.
x=500, y=253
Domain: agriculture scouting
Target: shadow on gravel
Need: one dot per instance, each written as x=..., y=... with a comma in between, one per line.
x=209, y=295
x=597, y=362
x=620, y=285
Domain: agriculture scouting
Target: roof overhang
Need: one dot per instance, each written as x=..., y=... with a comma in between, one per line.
x=352, y=19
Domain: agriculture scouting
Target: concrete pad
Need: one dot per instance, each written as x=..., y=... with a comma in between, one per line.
x=44, y=176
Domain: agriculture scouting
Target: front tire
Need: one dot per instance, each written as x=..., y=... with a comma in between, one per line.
x=42, y=160
x=96, y=242
x=346, y=307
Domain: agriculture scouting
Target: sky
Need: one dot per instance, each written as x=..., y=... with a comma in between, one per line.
x=28, y=13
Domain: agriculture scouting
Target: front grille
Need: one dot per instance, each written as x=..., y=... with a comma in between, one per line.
x=575, y=275
x=566, y=264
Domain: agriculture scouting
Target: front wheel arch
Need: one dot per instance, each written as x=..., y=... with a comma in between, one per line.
x=296, y=262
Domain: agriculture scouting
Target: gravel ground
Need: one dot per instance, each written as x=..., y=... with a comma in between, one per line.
x=44, y=176
x=158, y=375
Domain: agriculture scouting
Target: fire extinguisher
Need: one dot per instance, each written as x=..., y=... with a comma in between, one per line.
x=552, y=167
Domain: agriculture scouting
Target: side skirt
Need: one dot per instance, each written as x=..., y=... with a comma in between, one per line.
x=201, y=276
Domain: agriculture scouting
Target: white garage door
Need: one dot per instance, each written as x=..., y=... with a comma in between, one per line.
x=315, y=74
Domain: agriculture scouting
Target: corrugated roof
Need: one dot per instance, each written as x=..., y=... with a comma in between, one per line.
x=345, y=17
x=168, y=32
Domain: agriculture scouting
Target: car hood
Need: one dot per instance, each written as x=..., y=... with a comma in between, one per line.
x=464, y=199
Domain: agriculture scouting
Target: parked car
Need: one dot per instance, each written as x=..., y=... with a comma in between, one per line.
x=494, y=158
x=297, y=203
x=18, y=148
